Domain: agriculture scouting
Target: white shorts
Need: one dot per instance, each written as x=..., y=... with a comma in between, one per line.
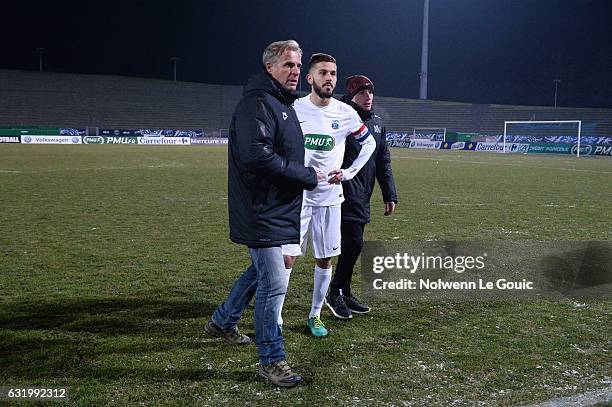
x=322, y=224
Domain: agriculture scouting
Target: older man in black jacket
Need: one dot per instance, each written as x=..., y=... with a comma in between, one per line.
x=266, y=179
x=357, y=194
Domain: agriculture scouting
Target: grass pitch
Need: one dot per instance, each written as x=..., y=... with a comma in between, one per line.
x=112, y=258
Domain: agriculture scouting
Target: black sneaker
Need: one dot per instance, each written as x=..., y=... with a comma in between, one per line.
x=280, y=374
x=337, y=304
x=230, y=336
x=355, y=306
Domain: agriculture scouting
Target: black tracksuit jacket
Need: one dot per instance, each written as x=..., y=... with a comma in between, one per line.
x=266, y=173
x=358, y=191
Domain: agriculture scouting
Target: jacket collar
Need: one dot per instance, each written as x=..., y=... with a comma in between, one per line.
x=264, y=81
x=363, y=114
x=288, y=95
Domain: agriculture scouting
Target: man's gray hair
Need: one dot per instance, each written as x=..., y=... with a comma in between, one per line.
x=273, y=52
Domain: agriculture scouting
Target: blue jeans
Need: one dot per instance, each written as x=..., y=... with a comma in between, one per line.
x=264, y=278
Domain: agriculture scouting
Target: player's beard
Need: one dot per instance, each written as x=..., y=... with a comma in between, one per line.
x=323, y=94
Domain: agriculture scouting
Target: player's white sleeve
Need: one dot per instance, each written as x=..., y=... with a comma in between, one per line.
x=368, y=145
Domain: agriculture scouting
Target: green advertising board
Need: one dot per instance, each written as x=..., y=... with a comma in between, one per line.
x=550, y=148
x=453, y=136
x=26, y=131
x=566, y=148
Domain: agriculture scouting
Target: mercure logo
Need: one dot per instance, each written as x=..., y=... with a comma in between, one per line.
x=319, y=142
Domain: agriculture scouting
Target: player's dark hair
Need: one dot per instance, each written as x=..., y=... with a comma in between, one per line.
x=320, y=57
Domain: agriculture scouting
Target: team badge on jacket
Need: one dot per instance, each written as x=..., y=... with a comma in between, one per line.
x=335, y=125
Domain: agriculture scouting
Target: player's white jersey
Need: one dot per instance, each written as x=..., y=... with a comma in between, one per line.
x=325, y=131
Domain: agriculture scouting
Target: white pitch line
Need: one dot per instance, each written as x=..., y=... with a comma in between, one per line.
x=506, y=164
x=10, y=172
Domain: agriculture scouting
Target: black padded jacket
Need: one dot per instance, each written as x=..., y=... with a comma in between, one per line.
x=266, y=173
x=358, y=191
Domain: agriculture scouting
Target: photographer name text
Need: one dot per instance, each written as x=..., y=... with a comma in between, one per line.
x=439, y=284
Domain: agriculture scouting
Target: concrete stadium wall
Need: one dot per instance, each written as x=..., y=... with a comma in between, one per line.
x=69, y=100
x=104, y=101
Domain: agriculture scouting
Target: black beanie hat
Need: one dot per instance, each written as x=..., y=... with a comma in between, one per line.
x=357, y=83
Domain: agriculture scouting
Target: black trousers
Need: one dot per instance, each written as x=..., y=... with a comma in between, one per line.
x=351, y=245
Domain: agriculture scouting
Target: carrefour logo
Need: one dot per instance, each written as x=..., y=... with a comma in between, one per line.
x=93, y=140
x=319, y=142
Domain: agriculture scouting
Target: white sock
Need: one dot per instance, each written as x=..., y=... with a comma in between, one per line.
x=322, y=278
x=280, y=310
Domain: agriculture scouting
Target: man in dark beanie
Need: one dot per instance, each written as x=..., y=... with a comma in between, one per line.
x=357, y=194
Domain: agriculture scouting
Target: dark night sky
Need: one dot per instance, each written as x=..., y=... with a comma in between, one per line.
x=481, y=51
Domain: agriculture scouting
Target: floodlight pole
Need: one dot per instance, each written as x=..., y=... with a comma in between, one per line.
x=556, y=82
x=40, y=58
x=424, y=51
x=174, y=59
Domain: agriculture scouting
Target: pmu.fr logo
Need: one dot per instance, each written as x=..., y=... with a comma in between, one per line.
x=585, y=149
x=335, y=125
x=603, y=150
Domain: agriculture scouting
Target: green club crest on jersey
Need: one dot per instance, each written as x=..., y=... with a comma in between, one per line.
x=319, y=142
